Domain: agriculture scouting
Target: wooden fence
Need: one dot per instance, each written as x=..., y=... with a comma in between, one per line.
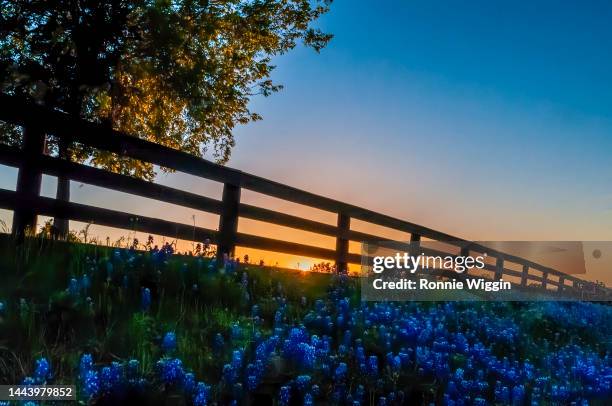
x=26, y=202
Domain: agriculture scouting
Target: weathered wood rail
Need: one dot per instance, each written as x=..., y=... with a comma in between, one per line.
x=38, y=122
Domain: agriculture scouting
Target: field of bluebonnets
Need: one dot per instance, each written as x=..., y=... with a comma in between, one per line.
x=151, y=326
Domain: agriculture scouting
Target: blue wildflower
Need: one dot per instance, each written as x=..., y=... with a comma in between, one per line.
x=132, y=369
x=188, y=382
x=302, y=382
x=236, y=359
x=85, y=365
x=201, y=394
x=171, y=370
x=169, y=342
x=28, y=381
x=42, y=372
x=373, y=365
x=252, y=382
x=110, y=377
x=284, y=396
x=341, y=372
x=91, y=384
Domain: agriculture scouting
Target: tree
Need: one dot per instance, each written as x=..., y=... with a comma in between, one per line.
x=179, y=73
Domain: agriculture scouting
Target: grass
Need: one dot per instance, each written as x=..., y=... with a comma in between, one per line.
x=107, y=321
x=45, y=317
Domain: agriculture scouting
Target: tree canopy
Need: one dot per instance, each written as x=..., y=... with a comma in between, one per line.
x=179, y=73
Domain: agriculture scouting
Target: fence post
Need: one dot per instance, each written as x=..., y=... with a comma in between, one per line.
x=228, y=222
x=561, y=286
x=342, y=243
x=499, y=267
x=544, y=279
x=415, y=243
x=29, y=180
x=63, y=190
x=524, y=275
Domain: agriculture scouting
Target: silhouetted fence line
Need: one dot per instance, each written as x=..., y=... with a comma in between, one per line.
x=38, y=123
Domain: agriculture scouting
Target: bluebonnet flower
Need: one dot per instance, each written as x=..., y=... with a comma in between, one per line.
x=28, y=381
x=229, y=374
x=132, y=369
x=85, y=365
x=373, y=365
x=306, y=355
x=284, y=396
x=106, y=380
x=91, y=384
x=189, y=382
x=302, y=382
x=394, y=362
x=42, y=371
x=252, y=382
x=111, y=377
x=171, y=370
x=236, y=359
x=341, y=372
x=201, y=394
x=169, y=342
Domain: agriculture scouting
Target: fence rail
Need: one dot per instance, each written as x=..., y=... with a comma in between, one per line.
x=26, y=202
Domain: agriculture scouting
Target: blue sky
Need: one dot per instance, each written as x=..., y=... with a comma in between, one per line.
x=487, y=120
x=491, y=120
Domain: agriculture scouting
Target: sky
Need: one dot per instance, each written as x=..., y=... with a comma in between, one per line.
x=487, y=120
